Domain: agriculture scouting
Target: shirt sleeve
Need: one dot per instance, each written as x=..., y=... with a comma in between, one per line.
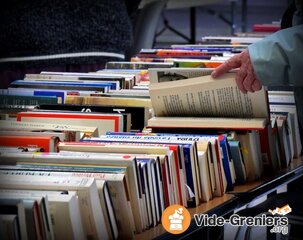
x=278, y=58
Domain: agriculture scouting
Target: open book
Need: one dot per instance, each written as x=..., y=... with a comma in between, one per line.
x=207, y=97
x=194, y=104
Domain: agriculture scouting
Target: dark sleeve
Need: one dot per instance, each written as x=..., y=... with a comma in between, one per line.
x=132, y=6
x=286, y=21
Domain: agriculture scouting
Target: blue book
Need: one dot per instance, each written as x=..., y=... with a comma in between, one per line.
x=236, y=153
x=59, y=94
x=84, y=85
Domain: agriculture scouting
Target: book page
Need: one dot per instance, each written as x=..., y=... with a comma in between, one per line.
x=207, y=97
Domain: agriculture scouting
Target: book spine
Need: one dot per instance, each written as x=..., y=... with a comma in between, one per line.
x=225, y=161
x=12, y=100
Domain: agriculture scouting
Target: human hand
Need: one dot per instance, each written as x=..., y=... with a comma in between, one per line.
x=246, y=78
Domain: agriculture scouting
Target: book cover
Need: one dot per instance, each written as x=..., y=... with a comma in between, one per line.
x=104, y=122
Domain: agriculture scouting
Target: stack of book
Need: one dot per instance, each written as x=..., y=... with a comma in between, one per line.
x=101, y=155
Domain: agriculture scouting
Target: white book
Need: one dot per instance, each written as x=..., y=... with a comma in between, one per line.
x=232, y=39
x=91, y=213
x=91, y=159
x=284, y=135
x=72, y=76
x=103, y=121
x=102, y=191
x=248, y=154
x=204, y=168
x=217, y=172
x=20, y=149
x=147, y=166
x=16, y=207
x=41, y=126
x=284, y=102
x=43, y=203
x=63, y=210
x=191, y=156
x=133, y=148
x=107, y=207
x=116, y=197
x=59, y=135
x=9, y=226
x=255, y=146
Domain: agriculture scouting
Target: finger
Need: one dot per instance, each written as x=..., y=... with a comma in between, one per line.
x=231, y=63
x=241, y=75
x=256, y=86
x=248, y=82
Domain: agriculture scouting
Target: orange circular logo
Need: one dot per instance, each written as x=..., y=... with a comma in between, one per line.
x=176, y=219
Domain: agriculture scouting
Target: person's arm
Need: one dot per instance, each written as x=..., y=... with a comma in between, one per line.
x=273, y=61
x=278, y=59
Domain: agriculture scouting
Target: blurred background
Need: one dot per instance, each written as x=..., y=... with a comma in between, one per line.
x=194, y=19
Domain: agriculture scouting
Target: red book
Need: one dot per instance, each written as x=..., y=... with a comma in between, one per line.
x=266, y=27
x=48, y=143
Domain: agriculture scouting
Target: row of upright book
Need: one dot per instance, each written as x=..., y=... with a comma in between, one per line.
x=101, y=155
